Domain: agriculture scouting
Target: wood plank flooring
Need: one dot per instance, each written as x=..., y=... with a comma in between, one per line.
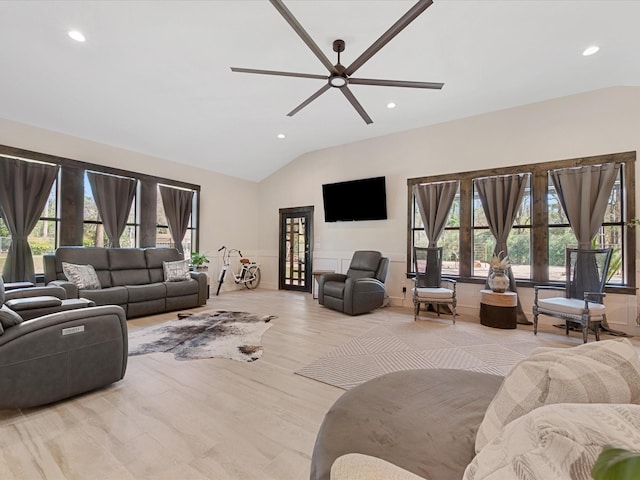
x=200, y=419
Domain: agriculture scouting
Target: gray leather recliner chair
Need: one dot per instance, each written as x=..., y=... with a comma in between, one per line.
x=60, y=355
x=361, y=289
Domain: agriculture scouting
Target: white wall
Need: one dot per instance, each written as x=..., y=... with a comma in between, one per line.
x=593, y=123
x=228, y=214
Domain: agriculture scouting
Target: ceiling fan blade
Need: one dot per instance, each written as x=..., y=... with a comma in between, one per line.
x=352, y=99
x=309, y=100
x=302, y=33
x=387, y=36
x=395, y=83
x=275, y=72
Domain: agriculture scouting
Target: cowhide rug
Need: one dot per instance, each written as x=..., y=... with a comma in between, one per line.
x=215, y=334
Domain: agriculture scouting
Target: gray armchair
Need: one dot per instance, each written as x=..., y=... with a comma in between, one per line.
x=361, y=290
x=56, y=356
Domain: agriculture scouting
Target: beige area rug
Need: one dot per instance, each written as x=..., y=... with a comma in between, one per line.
x=211, y=334
x=429, y=343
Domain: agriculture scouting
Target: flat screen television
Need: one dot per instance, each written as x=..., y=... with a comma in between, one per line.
x=364, y=199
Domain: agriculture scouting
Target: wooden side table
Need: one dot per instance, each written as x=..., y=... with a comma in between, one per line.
x=316, y=278
x=498, y=310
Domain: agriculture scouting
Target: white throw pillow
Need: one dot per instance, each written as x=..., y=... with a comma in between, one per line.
x=84, y=276
x=558, y=442
x=599, y=372
x=176, y=271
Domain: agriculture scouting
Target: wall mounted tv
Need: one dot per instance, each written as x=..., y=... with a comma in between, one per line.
x=364, y=199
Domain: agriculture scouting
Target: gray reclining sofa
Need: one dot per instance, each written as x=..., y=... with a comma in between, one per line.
x=130, y=277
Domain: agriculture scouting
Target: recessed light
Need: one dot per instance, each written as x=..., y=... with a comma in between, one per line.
x=391, y=105
x=281, y=135
x=76, y=35
x=590, y=50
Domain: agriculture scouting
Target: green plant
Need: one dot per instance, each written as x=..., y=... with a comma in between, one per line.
x=616, y=463
x=198, y=259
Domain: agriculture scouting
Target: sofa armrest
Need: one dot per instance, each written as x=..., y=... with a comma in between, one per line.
x=328, y=277
x=355, y=466
x=70, y=287
x=201, y=278
x=362, y=295
x=48, y=291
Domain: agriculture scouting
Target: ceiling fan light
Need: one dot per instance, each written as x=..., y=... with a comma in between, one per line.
x=337, y=81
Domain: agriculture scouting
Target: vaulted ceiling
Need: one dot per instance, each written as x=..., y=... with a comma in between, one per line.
x=154, y=76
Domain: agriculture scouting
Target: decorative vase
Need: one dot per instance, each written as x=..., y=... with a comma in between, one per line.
x=499, y=280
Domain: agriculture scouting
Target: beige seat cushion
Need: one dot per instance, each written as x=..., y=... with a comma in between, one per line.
x=355, y=466
x=571, y=306
x=558, y=442
x=599, y=372
x=433, y=293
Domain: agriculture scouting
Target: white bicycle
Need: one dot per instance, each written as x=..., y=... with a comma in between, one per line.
x=248, y=275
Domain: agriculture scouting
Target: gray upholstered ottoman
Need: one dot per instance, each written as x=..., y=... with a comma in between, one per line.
x=424, y=421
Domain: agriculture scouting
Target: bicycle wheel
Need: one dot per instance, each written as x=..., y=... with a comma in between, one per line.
x=254, y=277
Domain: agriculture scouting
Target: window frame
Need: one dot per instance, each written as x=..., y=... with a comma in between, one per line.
x=539, y=217
x=69, y=196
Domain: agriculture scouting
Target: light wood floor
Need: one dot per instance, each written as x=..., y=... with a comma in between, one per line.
x=201, y=419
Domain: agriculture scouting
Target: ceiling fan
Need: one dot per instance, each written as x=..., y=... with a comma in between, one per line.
x=340, y=76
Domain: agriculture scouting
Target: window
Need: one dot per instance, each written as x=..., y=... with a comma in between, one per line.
x=163, y=235
x=449, y=240
x=611, y=234
x=94, y=234
x=43, y=238
x=518, y=243
x=541, y=231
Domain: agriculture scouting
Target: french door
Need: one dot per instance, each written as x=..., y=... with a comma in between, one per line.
x=296, y=248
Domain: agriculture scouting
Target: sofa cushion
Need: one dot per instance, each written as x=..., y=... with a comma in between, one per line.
x=84, y=276
x=128, y=266
x=30, y=303
x=8, y=318
x=143, y=293
x=176, y=271
x=571, y=306
x=107, y=296
x=560, y=441
x=179, y=289
x=94, y=256
x=602, y=372
x=155, y=256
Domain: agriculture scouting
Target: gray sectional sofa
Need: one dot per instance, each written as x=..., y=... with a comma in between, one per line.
x=132, y=278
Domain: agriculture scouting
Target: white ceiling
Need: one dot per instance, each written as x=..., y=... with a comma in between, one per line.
x=154, y=76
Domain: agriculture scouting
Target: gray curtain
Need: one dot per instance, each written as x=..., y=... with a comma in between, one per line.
x=113, y=196
x=177, y=208
x=584, y=193
x=434, y=202
x=24, y=190
x=501, y=197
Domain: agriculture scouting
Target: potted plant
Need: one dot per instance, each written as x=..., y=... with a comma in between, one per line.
x=198, y=261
